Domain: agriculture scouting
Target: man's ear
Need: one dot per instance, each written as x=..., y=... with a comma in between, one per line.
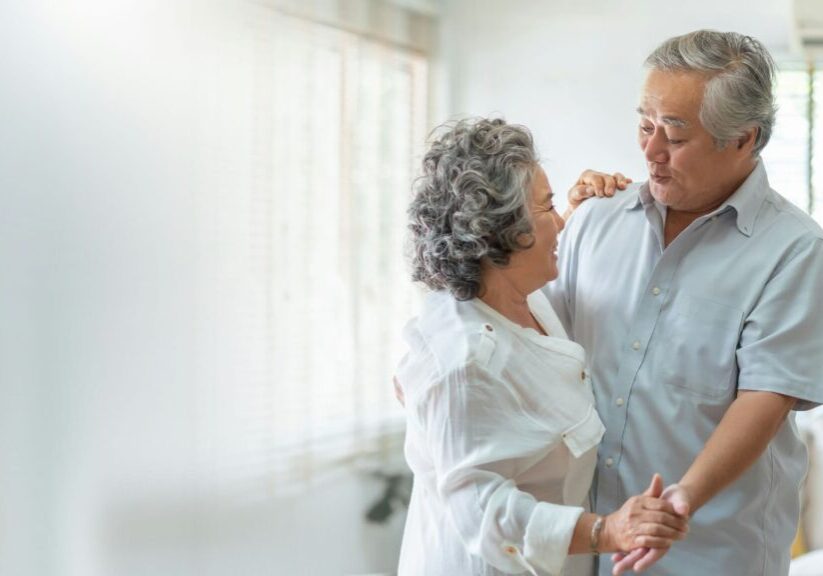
x=747, y=140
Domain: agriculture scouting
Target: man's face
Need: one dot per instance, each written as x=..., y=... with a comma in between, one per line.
x=687, y=171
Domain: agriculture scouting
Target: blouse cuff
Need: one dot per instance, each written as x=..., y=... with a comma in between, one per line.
x=548, y=536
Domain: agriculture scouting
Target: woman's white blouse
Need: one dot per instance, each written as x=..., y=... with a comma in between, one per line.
x=501, y=437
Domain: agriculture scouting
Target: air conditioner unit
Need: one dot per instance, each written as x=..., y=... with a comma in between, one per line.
x=808, y=28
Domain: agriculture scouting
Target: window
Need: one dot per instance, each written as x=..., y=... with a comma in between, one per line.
x=338, y=120
x=794, y=156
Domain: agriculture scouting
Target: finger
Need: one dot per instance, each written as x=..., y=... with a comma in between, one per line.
x=675, y=495
x=627, y=560
x=669, y=518
x=656, y=487
x=681, y=507
x=610, y=185
x=622, y=181
x=659, y=505
x=585, y=176
x=662, y=530
x=652, y=542
x=596, y=182
x=647, y=560
x=579, y=193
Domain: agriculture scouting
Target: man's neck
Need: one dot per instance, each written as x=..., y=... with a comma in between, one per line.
x=679, y=220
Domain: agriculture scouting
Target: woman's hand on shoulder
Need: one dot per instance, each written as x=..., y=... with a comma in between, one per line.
x=592, y=183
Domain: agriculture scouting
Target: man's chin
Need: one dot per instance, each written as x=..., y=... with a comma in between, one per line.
x=662, y=193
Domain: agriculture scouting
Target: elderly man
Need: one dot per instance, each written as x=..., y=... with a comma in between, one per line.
x=697, y=295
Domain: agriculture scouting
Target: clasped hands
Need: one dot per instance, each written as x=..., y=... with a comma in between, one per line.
x=646, y=526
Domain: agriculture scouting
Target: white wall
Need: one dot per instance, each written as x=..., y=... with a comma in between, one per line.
x=571, y=70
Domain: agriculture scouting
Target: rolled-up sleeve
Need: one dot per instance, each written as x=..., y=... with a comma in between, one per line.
x=782, y=336
x=480, y=437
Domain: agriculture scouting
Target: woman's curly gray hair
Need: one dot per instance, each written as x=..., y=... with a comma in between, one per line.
x=471, y=203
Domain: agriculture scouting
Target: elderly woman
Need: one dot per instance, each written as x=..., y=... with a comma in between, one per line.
x=502, y=434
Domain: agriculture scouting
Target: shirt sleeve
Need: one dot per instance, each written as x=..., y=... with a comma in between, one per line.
x=782, y=338
x=480, y=438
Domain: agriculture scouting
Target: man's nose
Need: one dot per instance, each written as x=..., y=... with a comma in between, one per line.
x=655, y=147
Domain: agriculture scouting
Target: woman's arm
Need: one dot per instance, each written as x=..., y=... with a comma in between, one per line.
x=479, y=439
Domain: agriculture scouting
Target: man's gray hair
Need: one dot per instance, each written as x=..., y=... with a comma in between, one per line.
x=471, y=203
x=738, y=94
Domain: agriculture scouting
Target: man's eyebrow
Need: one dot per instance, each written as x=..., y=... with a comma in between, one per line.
x=674, y=121
x=667, y=120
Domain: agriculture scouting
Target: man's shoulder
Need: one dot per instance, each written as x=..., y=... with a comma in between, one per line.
x=603, y=212
x=786, y=218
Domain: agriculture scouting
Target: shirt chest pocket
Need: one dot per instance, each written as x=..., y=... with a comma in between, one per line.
x=585, y=434
x=697, y=345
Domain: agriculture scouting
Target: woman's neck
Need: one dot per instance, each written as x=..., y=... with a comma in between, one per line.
x=504, y=296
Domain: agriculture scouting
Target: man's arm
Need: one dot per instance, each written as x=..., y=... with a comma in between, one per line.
x=744, y=433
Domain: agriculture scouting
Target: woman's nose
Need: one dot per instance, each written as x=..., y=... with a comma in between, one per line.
x=558, y=221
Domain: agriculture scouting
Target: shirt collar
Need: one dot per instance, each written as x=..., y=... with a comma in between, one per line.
x=745, y=201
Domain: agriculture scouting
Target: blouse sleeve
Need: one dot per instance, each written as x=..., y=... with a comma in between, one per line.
x=480, y=437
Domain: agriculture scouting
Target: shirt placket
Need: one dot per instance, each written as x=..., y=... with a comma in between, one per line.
x=634, y=352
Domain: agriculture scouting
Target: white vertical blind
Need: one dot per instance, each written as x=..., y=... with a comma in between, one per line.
x=338, y=121
x=786, y=155
x=794, y=157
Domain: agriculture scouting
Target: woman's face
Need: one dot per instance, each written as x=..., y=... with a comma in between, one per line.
x=537, y=264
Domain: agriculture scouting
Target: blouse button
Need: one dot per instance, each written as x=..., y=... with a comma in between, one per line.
x=489, y=327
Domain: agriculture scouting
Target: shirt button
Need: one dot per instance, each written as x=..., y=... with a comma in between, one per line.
x=656, y=291
x=619, y=402
x=510, y=550
x=583, y=375
x=489, y=327
x=609, y=462
x=636, y=345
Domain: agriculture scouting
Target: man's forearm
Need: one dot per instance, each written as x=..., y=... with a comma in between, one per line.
x=743, y=434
